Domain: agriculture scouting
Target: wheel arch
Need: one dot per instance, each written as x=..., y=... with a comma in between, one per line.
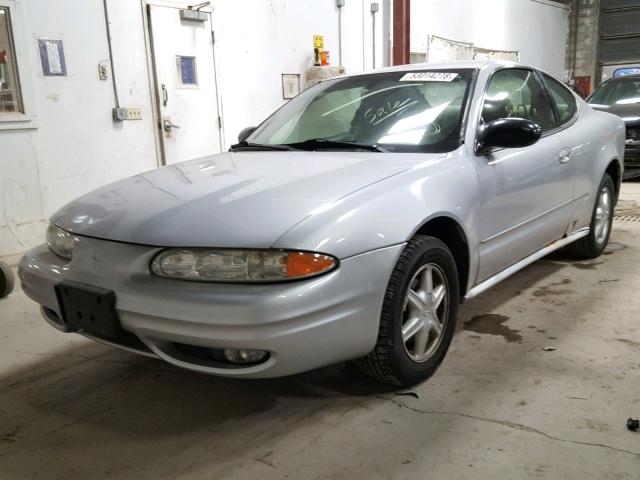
x=614, y=169
x=451, y=233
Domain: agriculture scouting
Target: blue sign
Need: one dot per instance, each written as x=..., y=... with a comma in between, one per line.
x=187, y=70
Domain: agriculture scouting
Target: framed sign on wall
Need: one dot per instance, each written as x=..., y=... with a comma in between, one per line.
x=290, y=85
x=52, y=57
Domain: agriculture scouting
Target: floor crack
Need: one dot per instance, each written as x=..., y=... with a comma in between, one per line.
x=506, y=423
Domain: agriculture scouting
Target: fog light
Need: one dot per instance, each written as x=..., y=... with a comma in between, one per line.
x=240, y=355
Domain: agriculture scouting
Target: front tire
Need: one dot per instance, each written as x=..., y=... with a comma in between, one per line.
x=418, y=315
x=594, y=244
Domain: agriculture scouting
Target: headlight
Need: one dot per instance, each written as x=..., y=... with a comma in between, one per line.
x=240, y=266
x=60, y=241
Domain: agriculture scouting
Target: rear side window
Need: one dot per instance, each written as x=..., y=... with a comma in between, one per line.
x=563, y=98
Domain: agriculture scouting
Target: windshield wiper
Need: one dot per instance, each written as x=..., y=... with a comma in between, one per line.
x=244, y=145
x=314, y=143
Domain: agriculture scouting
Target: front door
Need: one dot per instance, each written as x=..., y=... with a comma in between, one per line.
x=525, y=193
x=184, y=76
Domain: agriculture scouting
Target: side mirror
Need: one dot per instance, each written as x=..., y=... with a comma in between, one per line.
x=242, y=136
x=508, y=133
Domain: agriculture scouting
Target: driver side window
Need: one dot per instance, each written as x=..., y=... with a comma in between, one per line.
x=517, y=93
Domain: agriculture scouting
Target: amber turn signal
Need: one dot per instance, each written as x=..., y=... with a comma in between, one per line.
x=302, y=264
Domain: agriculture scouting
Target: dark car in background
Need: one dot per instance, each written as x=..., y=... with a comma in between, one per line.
x=621, y=96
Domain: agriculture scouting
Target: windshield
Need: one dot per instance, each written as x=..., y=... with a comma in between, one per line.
x=406, y=111
x=619, y=92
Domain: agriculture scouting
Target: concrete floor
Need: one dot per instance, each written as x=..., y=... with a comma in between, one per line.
x=499, y=407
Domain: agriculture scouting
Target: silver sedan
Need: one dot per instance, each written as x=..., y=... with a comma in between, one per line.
x=349, y=225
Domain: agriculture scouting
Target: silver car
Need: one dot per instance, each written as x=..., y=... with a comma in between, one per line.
x=349, y=225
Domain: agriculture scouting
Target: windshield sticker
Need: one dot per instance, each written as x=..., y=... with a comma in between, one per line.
x=428, y=77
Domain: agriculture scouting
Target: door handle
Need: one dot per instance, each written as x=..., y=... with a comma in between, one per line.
x=168, y=126
x=165, y=95
x=564, y=156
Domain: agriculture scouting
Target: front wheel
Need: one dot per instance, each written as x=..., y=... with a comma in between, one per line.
x=418, y=315
x=594, y=244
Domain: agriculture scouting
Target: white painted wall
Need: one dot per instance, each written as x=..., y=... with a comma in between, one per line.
x=258, y=40
x=76, y=145
x=536, y=28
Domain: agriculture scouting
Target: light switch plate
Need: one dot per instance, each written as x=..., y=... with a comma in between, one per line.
x=127, y=113
x=103, y=70
x=133, y=113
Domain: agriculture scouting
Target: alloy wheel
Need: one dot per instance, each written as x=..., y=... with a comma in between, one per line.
x=426, y=310
x=603, y=214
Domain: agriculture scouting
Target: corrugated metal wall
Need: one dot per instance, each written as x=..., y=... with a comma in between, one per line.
x=619, y=33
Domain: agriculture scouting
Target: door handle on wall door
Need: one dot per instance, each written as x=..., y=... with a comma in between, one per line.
x=565, y=155
x=165, y=95
x=168, y=125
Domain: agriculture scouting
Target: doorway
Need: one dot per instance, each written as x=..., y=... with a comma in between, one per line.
x=183, y=78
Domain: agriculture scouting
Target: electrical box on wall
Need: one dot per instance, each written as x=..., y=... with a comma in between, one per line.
x=121, y=114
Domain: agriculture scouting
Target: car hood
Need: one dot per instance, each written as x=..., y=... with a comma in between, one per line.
x=629, y=113
x=236, y=199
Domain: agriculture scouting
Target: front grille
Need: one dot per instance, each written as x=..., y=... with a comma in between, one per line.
x=632, y=146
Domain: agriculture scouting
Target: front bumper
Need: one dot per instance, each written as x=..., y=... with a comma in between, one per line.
x=303, y=325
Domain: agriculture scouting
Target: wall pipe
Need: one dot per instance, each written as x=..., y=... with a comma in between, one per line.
x=340, y=4
x=113, y=72
x=364, y=38
x=374, y=9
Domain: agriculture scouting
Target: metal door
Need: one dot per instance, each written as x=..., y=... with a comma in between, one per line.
x=184, y=76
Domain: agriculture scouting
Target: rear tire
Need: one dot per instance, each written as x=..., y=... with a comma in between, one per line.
x=6, y=280
x=418, y=315
x=594, y=244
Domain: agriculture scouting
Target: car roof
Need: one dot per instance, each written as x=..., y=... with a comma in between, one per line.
x=472, y=64
x=622, y=78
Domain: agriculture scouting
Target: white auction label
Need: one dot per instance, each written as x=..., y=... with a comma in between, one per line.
x=428, y=77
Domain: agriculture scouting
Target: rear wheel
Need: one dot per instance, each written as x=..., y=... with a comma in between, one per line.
x=594, y=244
x=418, y=315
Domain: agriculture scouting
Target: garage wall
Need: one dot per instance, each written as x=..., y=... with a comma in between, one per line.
x=73, y=145
x=497, y=25
x=274, y=40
